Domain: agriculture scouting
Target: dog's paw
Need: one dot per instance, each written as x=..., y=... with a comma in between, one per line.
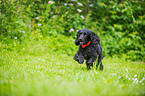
x=76, y=57
x=81, y=61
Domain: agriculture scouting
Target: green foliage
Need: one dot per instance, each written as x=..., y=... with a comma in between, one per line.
x=125, y=25
x=119, y=23
x=37, y=47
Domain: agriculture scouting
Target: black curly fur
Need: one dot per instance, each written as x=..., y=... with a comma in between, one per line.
x=90, y=52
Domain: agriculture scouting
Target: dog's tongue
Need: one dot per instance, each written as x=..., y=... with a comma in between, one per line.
x=81, y=42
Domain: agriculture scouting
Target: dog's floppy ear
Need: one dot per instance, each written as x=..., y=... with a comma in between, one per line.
x=94, y=38
x=77, y=38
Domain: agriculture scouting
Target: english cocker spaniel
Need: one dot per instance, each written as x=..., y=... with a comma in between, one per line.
x=89, y=48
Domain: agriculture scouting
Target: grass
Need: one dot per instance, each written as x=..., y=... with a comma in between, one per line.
x=44, y=68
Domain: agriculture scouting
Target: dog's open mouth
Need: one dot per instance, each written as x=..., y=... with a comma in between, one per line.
x=81, y=43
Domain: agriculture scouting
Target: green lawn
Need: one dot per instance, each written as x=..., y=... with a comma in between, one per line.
x=38, y=69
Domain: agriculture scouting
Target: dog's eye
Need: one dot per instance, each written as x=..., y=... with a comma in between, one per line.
x=85, y=33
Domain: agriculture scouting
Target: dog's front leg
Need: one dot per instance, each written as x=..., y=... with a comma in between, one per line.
x=89, y=62
x=79, y=58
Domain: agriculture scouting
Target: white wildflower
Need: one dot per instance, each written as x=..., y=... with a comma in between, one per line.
x=79, y=10
x=135, y=75
x=29, y=26
x=71, y=30
x=42, y=60
x=39, y=24
x=77, y=30
x=37, y=17
x=127, y=70
x=135, y=80
x=128, y=78
x=82, y=17
x=23, y=31
x=53, y=16
x=68, y=7
x=65, y=4
x=142, y=79
x=91, y=5
x=51, y=2
x=71, y=4
x=80, y=4
x=15, y=37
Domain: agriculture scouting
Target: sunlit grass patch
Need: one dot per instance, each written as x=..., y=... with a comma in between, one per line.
x=39, y=70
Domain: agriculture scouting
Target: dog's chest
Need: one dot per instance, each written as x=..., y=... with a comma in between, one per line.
x=89, y=51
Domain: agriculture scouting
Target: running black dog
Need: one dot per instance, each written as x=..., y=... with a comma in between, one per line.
x=89, y=48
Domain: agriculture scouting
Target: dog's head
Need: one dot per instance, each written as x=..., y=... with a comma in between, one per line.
x=84, y=36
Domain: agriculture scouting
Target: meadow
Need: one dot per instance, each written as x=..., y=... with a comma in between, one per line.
x=38, y=68
x=37, y=47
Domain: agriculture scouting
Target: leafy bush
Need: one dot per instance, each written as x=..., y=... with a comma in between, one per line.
x=125, y=23
x=119, y=23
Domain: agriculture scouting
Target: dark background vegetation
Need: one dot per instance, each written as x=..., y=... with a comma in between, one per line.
x=119, y=23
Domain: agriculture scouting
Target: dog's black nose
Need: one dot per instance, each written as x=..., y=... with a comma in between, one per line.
x=80, y=39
